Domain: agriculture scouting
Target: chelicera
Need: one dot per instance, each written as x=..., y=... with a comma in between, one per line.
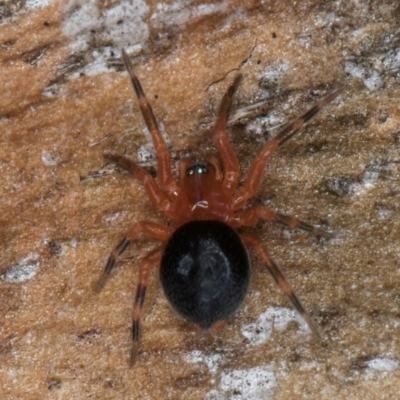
x=203, y=262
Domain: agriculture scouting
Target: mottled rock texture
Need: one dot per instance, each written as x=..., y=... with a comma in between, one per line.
x=65, y=99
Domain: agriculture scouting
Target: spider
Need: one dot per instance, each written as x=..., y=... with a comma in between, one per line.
x=204, y=265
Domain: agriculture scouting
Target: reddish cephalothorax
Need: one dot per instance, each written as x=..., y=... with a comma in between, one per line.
x=204, y=266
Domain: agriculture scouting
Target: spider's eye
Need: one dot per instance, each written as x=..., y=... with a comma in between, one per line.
x=196, y=169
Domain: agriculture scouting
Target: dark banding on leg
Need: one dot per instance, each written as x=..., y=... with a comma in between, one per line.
x=163, y=158
x=151, y=229
x=279, y=278
x=152, y=258
x=250, y=216
x=256, y=170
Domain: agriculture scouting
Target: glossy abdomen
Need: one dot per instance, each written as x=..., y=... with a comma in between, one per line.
x=205, y=271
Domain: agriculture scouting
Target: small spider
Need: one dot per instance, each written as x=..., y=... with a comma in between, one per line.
x=204, y=265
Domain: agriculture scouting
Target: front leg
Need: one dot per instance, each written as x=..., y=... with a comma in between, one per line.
x=163, y=158
x=256, y=170
x=228, y=155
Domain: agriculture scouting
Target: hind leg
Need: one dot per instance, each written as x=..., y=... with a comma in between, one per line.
x=261, y=251
x=151, y=258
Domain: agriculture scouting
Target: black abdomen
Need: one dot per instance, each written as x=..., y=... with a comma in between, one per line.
x=205, y=271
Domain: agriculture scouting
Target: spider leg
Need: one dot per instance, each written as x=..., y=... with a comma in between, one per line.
x=151, y=229
x=151, y=258
x=256, y=170
x=257, y=245
x=217, y=326
x=249, y=217
x=230, y=161
x=163, y=158
x=153, y=191
x=215, y=164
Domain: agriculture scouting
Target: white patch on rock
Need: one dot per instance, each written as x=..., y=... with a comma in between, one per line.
x=250, y=384
x=23, y=270
x=274, y=318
